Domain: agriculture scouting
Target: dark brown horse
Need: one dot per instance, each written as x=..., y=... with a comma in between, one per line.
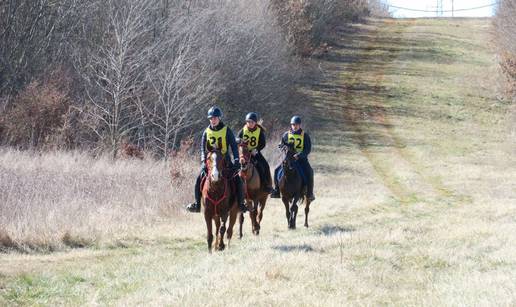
x=291, y=187
x=218, y=200
x=255, y=196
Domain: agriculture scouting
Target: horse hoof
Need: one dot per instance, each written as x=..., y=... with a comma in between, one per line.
x=306, y=225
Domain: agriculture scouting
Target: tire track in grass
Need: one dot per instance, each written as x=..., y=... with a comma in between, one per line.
x=384, y=149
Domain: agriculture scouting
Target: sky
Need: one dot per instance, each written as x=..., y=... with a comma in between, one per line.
x=429, y=5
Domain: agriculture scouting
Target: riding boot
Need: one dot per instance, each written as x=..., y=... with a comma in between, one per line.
x=240, y=194
x=196, y=206
x=266, y=174
x=265, y=182
x=276, y=192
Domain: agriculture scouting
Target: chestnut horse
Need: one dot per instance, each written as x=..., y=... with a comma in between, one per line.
x=255, y=196
x=218, y=199
x=292, y=188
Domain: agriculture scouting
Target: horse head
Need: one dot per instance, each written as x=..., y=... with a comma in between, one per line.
x=215, y=164
x=288, y=156
x=244, y=154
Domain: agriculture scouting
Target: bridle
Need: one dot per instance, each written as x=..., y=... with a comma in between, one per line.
x=211, y=170
x=289, y=156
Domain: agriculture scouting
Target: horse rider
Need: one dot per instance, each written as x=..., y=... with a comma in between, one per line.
x=254, y=135
x=302, y=146
x=220, y=135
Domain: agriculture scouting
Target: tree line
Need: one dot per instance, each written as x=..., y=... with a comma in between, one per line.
x=95, y=74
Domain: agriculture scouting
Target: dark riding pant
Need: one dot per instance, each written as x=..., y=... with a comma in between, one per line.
x=264, y=170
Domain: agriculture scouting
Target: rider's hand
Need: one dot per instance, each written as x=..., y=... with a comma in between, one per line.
x=296, y=156
x=254, y=152
x=237, y=164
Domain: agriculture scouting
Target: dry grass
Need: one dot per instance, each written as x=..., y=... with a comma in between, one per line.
x=52, y=200
x=415, y=191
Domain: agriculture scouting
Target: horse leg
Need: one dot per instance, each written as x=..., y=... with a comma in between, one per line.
x=209, y=225
x=241, y=220
x=287, y=209
x=252, y=215
x=307, y=209
x=222, y=232
x=232, y=220
x=261, y=207
x=293, y=213
x=256, y=204
x=217, y=232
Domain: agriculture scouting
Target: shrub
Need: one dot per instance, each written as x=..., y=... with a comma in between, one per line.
x=505, y=26
x=39, y=113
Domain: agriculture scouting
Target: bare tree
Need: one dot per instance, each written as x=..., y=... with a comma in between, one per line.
x=115, y=69
x=33, y=35
x=181, y=85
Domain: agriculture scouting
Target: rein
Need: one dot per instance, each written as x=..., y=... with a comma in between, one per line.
x=246, y=157
x=217, y=202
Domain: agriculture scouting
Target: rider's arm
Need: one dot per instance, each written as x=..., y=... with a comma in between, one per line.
x=262, y=141
x=307, y=147
x=230, y=139
x=203, y=147
x=284, y=139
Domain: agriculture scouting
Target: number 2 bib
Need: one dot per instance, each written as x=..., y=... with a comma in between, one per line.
x=298, y=140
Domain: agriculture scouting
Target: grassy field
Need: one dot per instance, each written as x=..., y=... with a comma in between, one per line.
x=415, y=160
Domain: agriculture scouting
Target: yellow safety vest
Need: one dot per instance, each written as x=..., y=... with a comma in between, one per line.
x=217, y=139
x=251, y=137
x=298, y=140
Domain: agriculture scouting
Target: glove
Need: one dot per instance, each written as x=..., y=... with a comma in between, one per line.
x=254, y=152
x=297, y=156
x=237, y=164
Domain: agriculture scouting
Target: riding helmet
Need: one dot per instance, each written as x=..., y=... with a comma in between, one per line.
x=295, y=120
x=214, y=112
x=252, y=116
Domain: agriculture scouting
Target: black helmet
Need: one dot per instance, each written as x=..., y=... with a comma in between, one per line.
x=252, y=116
x=295, y=120
x=214, y=112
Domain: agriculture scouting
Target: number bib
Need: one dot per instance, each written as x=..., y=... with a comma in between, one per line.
x=298, y=140
x=217, y=139
x=251, y=137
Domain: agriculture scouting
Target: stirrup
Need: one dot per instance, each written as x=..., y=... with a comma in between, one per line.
x=243, y=208
x=275, y=194
x=193, y=207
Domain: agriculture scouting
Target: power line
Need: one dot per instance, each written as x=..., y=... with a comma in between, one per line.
x=443, y=11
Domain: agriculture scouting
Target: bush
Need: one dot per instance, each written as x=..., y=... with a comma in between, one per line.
x=505, y=26
x=39, y=113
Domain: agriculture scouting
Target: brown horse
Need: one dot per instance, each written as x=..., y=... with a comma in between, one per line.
x=218, y=200
x=291, y=187
x=255, y=196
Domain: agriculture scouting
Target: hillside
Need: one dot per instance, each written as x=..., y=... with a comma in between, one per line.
x=415, y=161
